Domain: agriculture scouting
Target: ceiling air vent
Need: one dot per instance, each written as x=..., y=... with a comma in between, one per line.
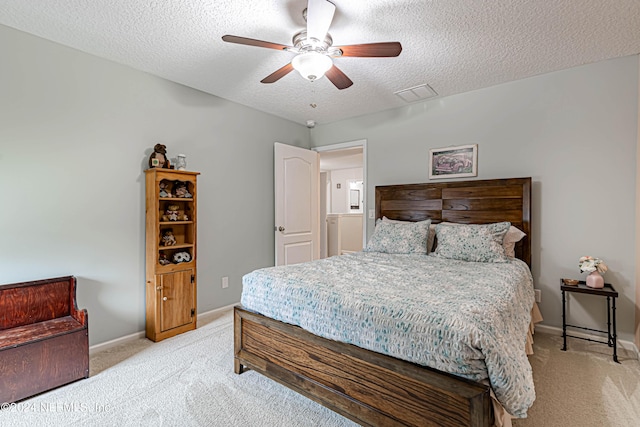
x=416, y=93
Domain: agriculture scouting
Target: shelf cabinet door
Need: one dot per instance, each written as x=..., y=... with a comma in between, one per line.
x=176, y=296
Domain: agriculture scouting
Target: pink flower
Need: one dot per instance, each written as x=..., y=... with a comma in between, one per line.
x=589, y=264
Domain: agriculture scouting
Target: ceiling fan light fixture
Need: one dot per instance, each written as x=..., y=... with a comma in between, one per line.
x=312, y=65
x=314, y=50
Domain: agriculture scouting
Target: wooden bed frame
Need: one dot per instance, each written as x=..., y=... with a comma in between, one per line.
x=370, y=388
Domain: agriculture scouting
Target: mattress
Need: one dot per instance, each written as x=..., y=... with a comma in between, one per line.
x=465, y=318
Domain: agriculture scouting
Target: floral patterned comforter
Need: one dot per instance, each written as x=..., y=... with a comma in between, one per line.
x=465, y=318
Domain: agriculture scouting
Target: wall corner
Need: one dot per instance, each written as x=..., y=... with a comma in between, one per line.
x=637, y=233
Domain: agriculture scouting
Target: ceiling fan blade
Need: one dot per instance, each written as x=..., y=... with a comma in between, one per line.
x=278, y=74
x=338, y=78
x=319, y=17
x=253, y=42
x=372, y=50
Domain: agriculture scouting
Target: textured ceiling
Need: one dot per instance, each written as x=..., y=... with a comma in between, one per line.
x=454, y=46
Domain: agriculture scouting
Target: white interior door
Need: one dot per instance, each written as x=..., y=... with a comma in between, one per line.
x=297, y=197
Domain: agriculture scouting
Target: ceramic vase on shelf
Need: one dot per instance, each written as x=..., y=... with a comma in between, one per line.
x=595, y=280
x=181, y=162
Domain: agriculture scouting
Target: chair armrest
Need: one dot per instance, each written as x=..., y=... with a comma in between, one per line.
x=80, y=315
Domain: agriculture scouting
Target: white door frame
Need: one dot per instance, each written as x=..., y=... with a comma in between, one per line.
x=351, y=144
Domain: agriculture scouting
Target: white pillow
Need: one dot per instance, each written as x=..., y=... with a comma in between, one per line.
x=430, y=237
x=513, y=236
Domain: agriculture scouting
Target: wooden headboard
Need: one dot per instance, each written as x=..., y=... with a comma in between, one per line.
x=468, y=202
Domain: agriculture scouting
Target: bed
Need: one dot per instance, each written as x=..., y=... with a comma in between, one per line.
x=370, y=387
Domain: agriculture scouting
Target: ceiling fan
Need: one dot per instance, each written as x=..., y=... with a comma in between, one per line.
x=314, y=48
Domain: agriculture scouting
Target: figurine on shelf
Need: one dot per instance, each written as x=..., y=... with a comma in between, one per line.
x=171, y=214
x=168, y=239
x=163, y=260
x=180, y=190
x=164, y=189
x=158, y=158
x=179, y=257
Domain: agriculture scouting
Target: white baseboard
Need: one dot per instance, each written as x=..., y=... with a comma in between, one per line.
x=109, y=344
x=137, y=335
x=217, y=310
x=553, y=330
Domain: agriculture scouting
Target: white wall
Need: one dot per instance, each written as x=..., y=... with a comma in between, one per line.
x=75, y=135
x=76, y=131
x=340, y=196
x=573, y=132
x=323, y=213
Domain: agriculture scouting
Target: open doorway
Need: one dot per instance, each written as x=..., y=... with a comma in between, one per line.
x=342, y=198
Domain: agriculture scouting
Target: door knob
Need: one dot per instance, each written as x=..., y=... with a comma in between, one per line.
x=281, y=229
x=164, y=299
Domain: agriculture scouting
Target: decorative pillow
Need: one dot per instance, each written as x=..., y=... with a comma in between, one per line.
x=472, y=242
x=399, y=238
x=513, y=236
x=430, y=237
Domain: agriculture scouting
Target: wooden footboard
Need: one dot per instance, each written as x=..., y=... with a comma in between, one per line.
x=369, y=388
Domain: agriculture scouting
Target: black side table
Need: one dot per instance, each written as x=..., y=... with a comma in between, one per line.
x=611, y=295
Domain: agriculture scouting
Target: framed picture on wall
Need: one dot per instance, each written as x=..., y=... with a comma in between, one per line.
x=453, y=162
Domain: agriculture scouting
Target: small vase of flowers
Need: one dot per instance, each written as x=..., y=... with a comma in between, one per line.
x=595, y=267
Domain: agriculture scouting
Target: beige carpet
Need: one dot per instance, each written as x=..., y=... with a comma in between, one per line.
x=188, y=380
x=582, y=386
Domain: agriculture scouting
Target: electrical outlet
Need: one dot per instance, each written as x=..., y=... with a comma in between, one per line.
x=225, y=282
x=538, y=294
x=372, y=213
